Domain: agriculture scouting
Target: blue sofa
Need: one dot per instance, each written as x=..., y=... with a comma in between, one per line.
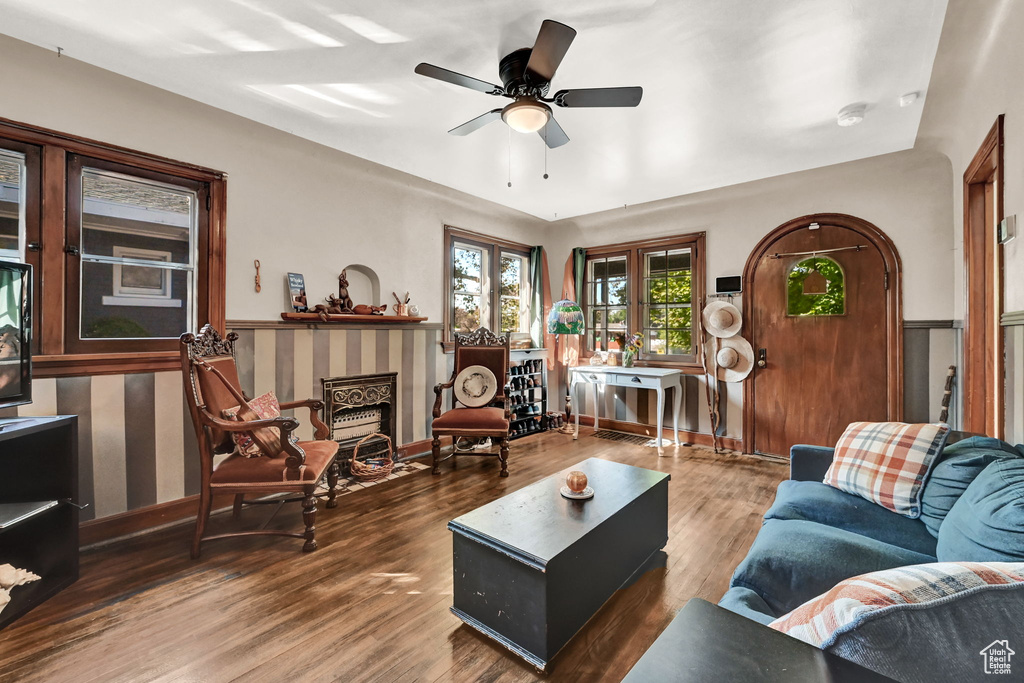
x=815, y=536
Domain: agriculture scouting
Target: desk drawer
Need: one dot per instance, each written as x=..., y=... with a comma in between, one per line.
x=630, y=380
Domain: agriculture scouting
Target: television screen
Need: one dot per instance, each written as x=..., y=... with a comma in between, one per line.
x=15, y=333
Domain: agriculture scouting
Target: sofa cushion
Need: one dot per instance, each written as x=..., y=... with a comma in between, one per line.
x=814, y=501
x=791, y=561
x=955, y=469
x=919, y=623
x=747, y=603
x=987, y=523
x=887, y=462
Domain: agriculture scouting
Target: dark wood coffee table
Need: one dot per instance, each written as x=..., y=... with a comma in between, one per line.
x=532, y=567
x=706, y=642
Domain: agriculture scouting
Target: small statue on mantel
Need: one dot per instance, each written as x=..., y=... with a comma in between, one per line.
x=363, y=309
x=344, y=301
x=332, y=308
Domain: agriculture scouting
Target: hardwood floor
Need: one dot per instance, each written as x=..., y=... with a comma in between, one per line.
x=372, y=603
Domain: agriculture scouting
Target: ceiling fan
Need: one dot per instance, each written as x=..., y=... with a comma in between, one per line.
x=526, y=74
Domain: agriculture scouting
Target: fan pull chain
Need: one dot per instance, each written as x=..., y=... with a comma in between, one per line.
x=545, y=152
x=509, y=157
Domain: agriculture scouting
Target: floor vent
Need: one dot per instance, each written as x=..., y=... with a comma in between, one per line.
x=636, y=439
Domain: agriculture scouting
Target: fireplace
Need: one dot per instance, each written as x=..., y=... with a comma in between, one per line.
x=360, y=405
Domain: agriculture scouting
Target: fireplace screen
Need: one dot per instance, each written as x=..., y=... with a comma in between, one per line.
x=357, y=406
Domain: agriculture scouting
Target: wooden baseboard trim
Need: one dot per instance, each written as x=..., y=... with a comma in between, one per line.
x=141, y=519
x=411, y=450
x=133, y=521
x=649, y=430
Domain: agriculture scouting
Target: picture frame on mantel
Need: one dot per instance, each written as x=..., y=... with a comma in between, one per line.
x=297, y=293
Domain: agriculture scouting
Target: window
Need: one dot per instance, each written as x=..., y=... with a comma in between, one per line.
x=515, y=307
x=607, y=293
x=654, y=287
x=469, y=273
x=487, y=282
x=137, y=242
x=815, y=286
x=12, y=205
x=667, y=302
x=137, y=234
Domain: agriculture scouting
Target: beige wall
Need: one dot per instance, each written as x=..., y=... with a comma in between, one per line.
x=976, y=77
x=293, y=204
x=905, y=194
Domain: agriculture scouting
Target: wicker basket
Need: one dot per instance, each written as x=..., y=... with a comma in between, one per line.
x=364, y=472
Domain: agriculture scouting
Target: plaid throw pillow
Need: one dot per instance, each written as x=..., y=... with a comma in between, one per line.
x=887, y=462
x=822, y=620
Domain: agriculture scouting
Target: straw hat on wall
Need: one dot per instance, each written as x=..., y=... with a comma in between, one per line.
x=722, y=319
x=730, y=360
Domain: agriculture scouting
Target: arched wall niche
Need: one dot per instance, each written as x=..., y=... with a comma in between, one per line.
x=363, y=284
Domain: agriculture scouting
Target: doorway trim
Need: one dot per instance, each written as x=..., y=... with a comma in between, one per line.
x=982, y=382
x=894, y=307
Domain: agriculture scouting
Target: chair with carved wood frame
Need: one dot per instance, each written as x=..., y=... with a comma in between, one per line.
x=212, y=386
x=485, y=348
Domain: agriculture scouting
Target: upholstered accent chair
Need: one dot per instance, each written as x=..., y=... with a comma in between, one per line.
x=485, y=348
x=211, y=387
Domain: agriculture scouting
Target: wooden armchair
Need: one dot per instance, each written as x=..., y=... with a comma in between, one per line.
x=212, y=386
x=481, y=347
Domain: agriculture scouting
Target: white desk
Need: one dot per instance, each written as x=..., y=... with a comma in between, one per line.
x=658, y=379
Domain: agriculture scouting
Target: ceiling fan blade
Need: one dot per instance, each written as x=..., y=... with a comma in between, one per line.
x=550, y=47
x=552, y=134
x=599, y=97
x=479, y=122
x=449, y=76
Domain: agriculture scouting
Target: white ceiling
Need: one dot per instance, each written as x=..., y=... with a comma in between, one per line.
x=734, y=90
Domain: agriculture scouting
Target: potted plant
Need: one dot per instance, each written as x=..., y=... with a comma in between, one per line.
x=631, y=349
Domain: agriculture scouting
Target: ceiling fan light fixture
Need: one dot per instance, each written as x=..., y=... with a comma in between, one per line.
x=526, y=116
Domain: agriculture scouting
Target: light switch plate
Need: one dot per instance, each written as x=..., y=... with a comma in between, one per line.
x=1007, y=229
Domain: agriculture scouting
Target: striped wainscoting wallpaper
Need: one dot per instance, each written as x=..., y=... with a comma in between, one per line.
x=137, y=446
x=1013, y=350
x=930, y=347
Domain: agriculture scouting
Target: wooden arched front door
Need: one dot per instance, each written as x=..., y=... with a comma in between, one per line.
x=822, y=309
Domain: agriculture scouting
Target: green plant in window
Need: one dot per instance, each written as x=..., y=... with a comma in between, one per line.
x=115, y=328
x=832, y=302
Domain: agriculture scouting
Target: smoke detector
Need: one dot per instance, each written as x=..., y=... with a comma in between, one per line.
x=851, y=115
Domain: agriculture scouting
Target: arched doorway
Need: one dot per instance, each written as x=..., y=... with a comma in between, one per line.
x=823, y=308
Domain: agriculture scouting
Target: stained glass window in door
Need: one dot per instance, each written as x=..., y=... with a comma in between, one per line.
x=815, y=286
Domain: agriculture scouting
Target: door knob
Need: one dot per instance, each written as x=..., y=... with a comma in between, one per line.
x=762, y=359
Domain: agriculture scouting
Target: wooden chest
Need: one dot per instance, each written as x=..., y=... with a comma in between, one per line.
x=531, y=568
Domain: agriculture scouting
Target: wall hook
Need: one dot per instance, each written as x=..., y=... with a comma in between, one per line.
x=256, y=263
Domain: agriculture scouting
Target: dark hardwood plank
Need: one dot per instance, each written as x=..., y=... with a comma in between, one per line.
x=372, y=603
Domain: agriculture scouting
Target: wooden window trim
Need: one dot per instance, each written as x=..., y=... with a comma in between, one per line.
x=52, y=358
x=634, y=251
x=496, y=245
x=33, y=205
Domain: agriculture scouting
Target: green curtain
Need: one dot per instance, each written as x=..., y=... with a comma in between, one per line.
x=537, y=321
x=579, y=267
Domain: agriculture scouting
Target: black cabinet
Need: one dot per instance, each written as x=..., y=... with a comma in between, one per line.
x=38, y=513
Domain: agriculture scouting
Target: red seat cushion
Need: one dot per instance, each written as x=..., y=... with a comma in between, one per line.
x=469, y=421
x=238, y=469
